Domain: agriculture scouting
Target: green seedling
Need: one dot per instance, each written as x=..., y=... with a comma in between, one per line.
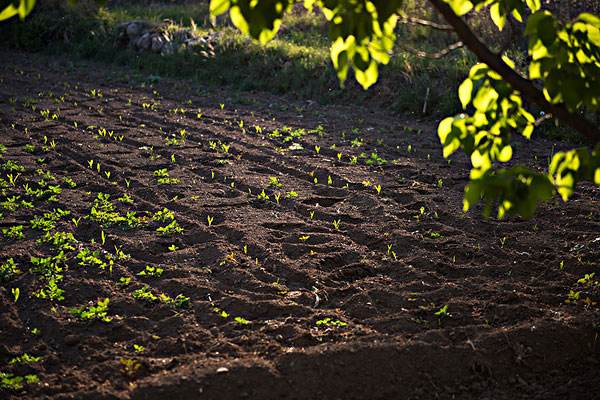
x=164, y=215
x=14, y=232
x=588, y=280
x=138, y=348
x=172, y=229
x=12, y=179
x=330, y=322
x=336, y=224
x=124, y=281
x=221, y=313
x=24, y=359
x=8, y=270
x=263, y=196
x=241, y=321
x=164, y=178
x=99, y=311
x=442, y=312
x=16, y=292
x=375, y=159
x=130, y=366
x=435, y=235
x=573, y=297
x=180, y=301
x=12, y=166
x=104, y=212
x=144, y=294
x=154, y=272
x=274, y=182
x=503, y=241
x=70, y=183
x=126, y=199
x=13, y=382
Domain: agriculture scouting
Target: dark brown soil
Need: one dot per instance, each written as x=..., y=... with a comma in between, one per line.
x=510, y=334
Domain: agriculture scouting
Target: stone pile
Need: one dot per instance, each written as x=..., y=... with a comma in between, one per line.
x=165, y=39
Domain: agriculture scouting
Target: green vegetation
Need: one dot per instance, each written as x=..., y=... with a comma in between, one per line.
x=99, y=311
x=331, y=322
x=14, y=382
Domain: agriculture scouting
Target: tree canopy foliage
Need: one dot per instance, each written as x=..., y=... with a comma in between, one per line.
x=562, y=79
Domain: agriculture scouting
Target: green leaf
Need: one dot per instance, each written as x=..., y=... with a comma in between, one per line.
x=465, y=91
x=218, y=7
x=505, y=154
x=534, y=5
x=460, y=7
x=25, y=7
x=498, y=16
x=369, y=76
x=9, y=12
x=449, y=136
x=484, y=98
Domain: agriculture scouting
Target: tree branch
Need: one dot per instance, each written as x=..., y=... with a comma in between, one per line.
x=437, y=55
x=525, y=86
x=423, y=22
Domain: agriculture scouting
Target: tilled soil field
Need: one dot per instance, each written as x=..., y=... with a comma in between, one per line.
x=164, y=241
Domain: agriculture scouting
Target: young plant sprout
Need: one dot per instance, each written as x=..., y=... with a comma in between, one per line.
x=16, y=292
x=263, y=196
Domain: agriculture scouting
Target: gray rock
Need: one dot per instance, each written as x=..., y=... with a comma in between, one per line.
x=157, y=43
x=143, y=36
x=144, y=42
